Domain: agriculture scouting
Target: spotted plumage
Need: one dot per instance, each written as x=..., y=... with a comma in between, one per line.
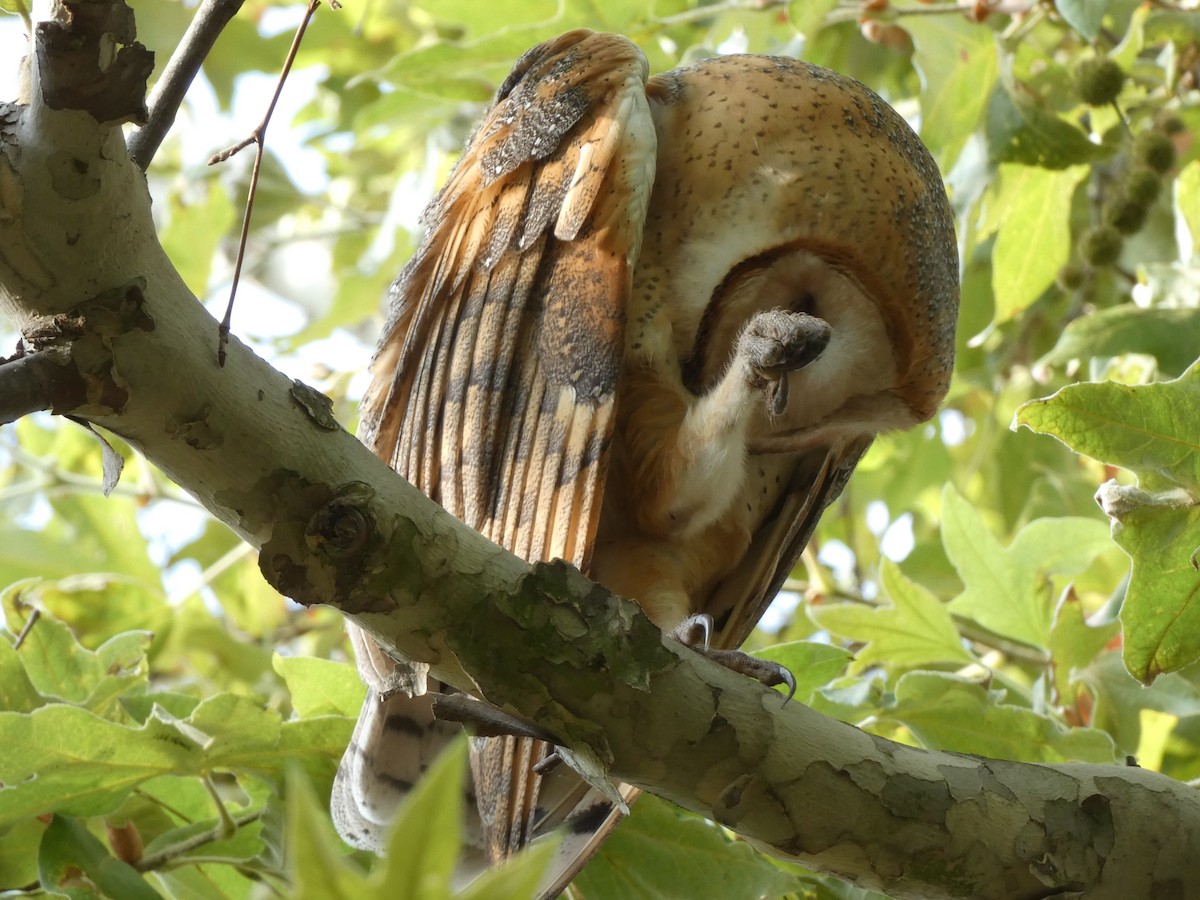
x=651, y=329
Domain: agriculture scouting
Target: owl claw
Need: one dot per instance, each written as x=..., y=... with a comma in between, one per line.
x=776, y=342
x=695, y=631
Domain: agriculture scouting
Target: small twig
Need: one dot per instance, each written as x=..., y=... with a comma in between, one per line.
x=484, y=719
x=713, y=10
x=178, y=75
x=227, y=825
x=548, y=763
x=257, y=136
x=219, y=832
x=34, y=615
x=853, y=12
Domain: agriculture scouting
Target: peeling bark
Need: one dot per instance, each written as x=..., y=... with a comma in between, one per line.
x=87, y=280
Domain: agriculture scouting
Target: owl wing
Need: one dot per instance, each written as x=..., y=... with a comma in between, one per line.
x=739, y=600
x=495, y=380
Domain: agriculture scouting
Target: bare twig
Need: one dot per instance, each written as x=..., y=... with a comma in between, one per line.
x=168, y=93
x=220, y=831
x=34, y=615
x=485, y=720
x=258, y=137
x=713, y=10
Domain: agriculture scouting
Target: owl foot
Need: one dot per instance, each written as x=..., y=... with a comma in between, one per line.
x=776, y=342
x=694, y=632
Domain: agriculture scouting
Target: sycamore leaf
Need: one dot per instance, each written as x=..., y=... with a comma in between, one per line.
x=17, y=693
x=1008, y=589
x=66, y=759
x=1172, y=336
x=320, y=869
x=957, y=85
x=1152, y=430
x=1085, y=16
x=1074, y=644
x=1034, y=239
x=321, y=687
x=915, y=630
x=425, y=843
x=73, y=860
x=813, y=665
x=950, y=713
x=660, y=851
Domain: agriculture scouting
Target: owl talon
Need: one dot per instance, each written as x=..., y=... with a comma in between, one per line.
x=694, y=632
x=768, y=673
x=777, y=342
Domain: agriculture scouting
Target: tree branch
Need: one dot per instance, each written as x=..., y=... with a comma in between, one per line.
x=26, y=384
x=172, y=86
x=334, y=525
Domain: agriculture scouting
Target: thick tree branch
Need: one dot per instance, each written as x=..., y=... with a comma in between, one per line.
x=26, y=384
x=336, y=526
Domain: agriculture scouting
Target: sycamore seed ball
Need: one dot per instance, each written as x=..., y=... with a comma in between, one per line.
x=1143, y=186
x=1099, y=81
x=1070, y=277
x=1125, y=214
x=1100, y=246
x=1154, y=150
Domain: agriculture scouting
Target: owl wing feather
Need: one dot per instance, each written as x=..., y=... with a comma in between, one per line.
x=494, y=383
x=738, y=600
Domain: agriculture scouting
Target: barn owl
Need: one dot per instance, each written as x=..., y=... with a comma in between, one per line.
x=652, y=327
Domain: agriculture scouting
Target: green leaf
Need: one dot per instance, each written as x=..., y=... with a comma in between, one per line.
x=807, y=16
x=1085, y=16
x=1172, y=336
x=195, y=229
x=19, y=852
x=320, y=871
x=957, y=84
x=1120, y=698
x=915, y=630
x=1074, y=644
x=422, y=850
x=1008, y=589
x=17, y=693
x=950, y=713
x=467, y=71
x=660, y=851
x=1034, y=239
x=65, y=759
x=321, y=687
x=813, y=665
x=58, y=666
x=1161, y=613
x=73, y=860
x=1152, y=430
x=1022, y=129
x=1187, y=198
x=516, y=878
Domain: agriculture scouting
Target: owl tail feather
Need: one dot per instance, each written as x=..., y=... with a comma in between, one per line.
x=397, y=738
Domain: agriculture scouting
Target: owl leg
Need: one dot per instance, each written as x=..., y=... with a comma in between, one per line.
x=694, y=632
x=692, y=457
x=774, y=343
